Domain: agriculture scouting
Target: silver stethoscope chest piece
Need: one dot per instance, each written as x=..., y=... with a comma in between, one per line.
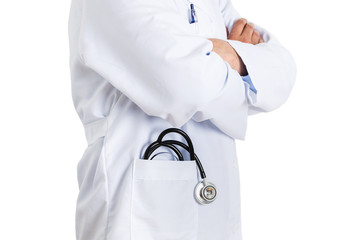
x=205, y=192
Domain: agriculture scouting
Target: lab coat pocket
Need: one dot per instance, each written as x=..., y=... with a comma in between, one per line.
x=163, y=203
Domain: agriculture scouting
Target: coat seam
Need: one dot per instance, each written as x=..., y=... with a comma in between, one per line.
x=131, y=202
x=106, y=180
x=105, y=162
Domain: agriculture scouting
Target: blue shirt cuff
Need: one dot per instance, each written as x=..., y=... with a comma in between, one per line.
x=251, y=91
x=248, y=80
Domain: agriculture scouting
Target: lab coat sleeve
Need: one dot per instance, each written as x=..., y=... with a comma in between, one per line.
x=270, y=66
x=144, y=49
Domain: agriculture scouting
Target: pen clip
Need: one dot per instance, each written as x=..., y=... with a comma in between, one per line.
x=193, y=15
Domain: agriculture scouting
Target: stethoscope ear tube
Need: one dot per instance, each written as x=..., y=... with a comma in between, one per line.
x=170, y=143
x=159, y=144
x=186, y=137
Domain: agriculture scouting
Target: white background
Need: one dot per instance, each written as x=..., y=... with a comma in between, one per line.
x=300, y=164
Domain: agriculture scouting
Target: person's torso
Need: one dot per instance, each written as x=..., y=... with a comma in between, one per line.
x=118, y=132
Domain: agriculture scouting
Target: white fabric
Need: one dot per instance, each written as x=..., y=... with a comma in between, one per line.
x=138, y=67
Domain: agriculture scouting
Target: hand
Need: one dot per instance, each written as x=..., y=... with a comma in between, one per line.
x=228, y=54
x=244, y=32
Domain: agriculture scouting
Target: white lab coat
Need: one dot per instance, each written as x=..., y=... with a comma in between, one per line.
x=139, y=67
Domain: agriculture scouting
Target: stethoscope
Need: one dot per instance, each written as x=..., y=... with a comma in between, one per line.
x=205, y=192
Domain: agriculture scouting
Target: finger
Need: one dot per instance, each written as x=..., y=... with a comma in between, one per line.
x=261, y=40
x=246, y=35
x=237, y=29
x=255, y=37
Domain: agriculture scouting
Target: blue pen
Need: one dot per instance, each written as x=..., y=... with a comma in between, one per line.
x=193, y=14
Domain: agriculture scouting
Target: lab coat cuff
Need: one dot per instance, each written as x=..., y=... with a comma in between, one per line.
x=228, y=110
x=245, y=52
x=271, y=67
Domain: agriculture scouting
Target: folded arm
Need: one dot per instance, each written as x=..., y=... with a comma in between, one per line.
x=144, y=50
x=271, y=68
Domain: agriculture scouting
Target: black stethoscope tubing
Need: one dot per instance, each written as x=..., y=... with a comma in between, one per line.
x=170, y=143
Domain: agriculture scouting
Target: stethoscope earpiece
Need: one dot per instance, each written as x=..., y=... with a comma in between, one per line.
x=205, y=192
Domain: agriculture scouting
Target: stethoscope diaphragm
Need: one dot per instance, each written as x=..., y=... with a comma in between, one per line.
x=205, y=192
